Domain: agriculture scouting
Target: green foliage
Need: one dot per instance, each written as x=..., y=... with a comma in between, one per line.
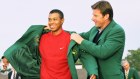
x=134, y=58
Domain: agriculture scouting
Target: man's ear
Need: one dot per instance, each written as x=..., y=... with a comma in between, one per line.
x=106, y=16
x=62, y=20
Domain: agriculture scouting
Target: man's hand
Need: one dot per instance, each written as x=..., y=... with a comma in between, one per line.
x=93, y=76
x=77, y=38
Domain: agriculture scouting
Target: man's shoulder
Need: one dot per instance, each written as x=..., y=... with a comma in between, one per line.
x=116, y=25
x=133, y=69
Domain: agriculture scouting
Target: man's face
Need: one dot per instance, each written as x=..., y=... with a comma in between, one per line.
x=98, y=18
x=126, y=66
x=55, y=22
x=5, y=61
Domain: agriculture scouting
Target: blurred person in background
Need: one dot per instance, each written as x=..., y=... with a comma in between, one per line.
x=130, y=73
x=5, y=66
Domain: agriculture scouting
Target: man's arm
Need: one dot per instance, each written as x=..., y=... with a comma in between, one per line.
x=85, y=35
x=113, y=42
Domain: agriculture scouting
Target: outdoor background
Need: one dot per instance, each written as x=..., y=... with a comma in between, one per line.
x=16, y=16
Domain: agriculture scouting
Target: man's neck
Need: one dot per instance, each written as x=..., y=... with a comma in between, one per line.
x=105, y=25
x=127, y=70
x=55, y=33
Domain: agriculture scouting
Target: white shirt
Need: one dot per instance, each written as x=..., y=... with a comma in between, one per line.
x=126, y=73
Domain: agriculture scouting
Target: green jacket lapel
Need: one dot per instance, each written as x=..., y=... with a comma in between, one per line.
x=106, y=30
x=93, y=33
x=72, y=43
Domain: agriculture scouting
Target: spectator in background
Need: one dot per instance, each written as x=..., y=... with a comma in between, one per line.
x=130, y=73
x=5, y=66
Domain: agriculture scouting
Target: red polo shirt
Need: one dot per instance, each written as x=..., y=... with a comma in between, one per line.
x=53, y=50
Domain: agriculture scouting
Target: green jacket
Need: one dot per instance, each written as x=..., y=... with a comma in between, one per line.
x=24, y=55
x=133, y=74
x=108, y=51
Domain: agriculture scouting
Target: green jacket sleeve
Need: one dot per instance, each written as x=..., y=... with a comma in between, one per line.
x=107, y=46
x=23, y=61
x=86, y=35
x=24, y=54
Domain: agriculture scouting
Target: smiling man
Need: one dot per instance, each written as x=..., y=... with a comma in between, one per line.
x=53, y=48
x=105, y=41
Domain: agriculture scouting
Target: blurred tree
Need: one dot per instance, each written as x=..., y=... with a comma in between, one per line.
x=134, y=58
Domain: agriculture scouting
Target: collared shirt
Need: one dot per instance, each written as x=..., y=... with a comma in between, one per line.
x=126, y=73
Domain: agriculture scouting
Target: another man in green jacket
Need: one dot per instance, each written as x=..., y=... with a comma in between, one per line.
x=130, y=73
x=105, y=41
x=48, y=54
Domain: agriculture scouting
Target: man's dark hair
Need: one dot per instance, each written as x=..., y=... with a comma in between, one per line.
x=2, y=57
x=57, y=11
x=104, y=7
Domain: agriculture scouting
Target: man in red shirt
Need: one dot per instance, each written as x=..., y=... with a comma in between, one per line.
x=53, y=49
